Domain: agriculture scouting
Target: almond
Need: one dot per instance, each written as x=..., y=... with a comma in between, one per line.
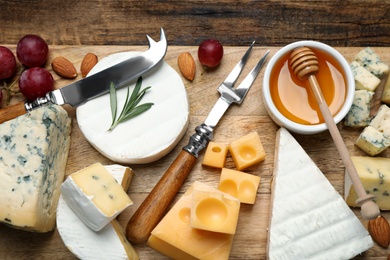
x=187, y=65
x=64, y=68
x=89, y=61
x=379, y=230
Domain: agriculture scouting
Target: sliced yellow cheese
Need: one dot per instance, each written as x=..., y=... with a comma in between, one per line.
x=175, y=238
x=215, y=155
x=239, y=184
x=247, y=151
x=374, y=172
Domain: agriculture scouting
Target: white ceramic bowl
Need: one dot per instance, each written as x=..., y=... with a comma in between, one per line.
x=283, y=121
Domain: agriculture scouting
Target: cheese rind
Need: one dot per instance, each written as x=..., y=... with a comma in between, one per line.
x=175, y=238
x=372, y=62
x=363, y=78
x=309, y=219
x=374, y=172
x=95, y=196
x=34, y=152
x=359, y=113
x=108, y=243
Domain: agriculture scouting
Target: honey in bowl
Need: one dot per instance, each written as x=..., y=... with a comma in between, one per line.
x=293, y=97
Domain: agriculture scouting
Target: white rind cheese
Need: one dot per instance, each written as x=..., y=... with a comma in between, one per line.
x=363, y=78
x=372, y=62
x=147, y=137
x=309, y=219
x=83, y=242
x=359, y=113
x=34, y=152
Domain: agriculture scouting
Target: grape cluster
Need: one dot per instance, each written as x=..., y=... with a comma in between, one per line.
x=32, y=52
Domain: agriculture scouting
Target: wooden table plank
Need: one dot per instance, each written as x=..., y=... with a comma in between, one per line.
x=250, y=240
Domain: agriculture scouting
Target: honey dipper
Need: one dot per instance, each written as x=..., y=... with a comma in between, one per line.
x=304, y=64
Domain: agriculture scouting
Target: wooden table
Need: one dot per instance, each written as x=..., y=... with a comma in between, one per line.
x=73, y=28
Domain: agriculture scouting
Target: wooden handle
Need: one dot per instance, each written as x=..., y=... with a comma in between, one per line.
x=368, y=208
x=151, y=211
x=11, y=112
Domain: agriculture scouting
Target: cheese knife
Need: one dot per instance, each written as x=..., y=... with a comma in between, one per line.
x=151, y=211
x=97, y=84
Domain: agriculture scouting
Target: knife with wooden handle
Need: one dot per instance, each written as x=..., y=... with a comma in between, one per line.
x=152, y=209
x=97, y=84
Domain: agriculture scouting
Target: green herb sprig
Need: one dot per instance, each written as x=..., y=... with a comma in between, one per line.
x=130, y=108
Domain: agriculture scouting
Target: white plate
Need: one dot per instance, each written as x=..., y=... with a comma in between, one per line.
x=147, y=137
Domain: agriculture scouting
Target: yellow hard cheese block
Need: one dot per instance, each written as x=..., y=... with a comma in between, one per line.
x=240, y=185
x=247, y=151
x=374, y=172
x=215, y=155
x=95, y=196
x=214, y=211
x=175, y=238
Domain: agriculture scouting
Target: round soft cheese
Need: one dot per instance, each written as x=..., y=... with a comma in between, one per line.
x=147, y=137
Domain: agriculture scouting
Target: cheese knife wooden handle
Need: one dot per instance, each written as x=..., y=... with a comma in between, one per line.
x=151, y=211
x=11, y=112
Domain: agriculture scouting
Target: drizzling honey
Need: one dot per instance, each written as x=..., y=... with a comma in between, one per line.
x=294, y=98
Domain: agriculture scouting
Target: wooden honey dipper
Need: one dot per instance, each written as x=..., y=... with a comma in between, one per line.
x=304, y=64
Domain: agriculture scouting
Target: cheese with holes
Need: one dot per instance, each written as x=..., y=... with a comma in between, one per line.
x=214, y=211
x=372, y=141
x=240, y=185
x=363, y=78
x=215, y=155
x=372, y=62
x=359, y=113
x=174, y=237
x=95, y=196
x=247, y=151
x=34, y=152
x=108, y=243
x=374, y=172
x=308, y=217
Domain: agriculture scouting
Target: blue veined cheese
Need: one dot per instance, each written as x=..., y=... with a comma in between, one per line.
x=359, y=113
x=372, y=141
x=363, y=78
x=374, y=172
x=33, y=155
x=308, y=217
x=381, y=120
x=372, y=62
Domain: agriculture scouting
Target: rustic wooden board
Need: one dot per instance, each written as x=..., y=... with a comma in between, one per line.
x=250, y=239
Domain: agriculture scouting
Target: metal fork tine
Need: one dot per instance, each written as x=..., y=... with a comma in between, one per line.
x=235, y=73
x=245, y=85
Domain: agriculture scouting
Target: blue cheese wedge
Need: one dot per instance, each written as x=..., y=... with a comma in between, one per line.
x=359, y=113
x=372, y=62
x=374, y=172
x=372, y=141
x=363, y=78
x=308, y=217
x=381, y=120
x=34, y=152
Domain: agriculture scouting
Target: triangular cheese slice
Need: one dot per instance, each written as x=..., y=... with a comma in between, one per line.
x=308, y=217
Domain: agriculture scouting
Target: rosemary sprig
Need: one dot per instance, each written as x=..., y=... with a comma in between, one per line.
x=131, y=108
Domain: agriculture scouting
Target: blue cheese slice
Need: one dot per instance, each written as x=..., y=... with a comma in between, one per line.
x=374, y=172
x=372, y=62
x=363, y=78
x=308, y=217
x=372, y=141
x=359, y=113
x=34, y=152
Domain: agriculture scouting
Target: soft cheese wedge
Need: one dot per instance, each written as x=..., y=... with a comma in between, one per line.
x=308, y=217
x=34, y=152
x=108, y=243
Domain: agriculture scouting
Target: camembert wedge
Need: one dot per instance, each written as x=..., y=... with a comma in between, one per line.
x=308, y=217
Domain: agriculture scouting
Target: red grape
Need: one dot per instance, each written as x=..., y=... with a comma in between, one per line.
x=210, y=53
x=36, y=82
x=7, y=63
x=32, y=51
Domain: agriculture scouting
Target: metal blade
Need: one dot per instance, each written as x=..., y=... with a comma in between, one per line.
x=120, y=74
